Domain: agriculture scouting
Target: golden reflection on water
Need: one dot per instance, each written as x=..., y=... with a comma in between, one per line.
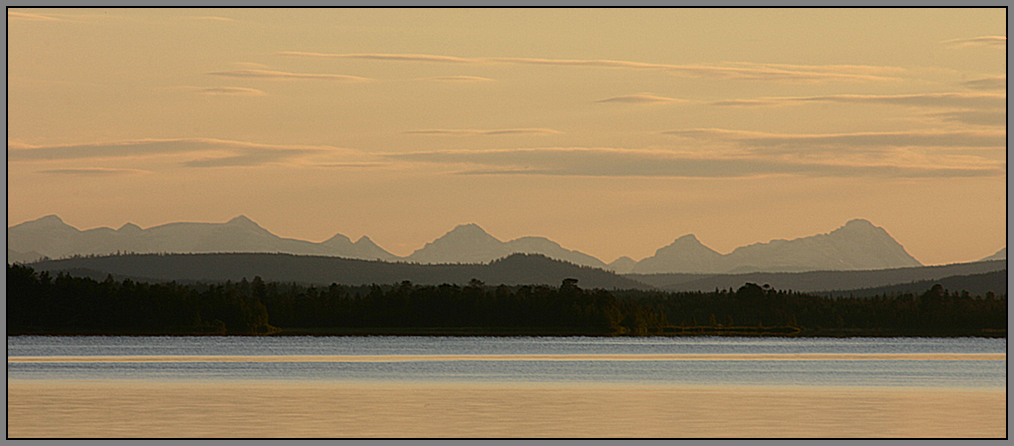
x=147, y=408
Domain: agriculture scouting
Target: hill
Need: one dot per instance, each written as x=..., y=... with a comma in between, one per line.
x=974, y=284
x=516, y=269
x=811, y=281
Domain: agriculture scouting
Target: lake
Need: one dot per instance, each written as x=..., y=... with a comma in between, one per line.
x=377, y=386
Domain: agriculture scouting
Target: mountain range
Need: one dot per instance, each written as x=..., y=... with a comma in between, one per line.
x=858, y=245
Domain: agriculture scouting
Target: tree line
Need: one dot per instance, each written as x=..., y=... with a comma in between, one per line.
x=40, y=303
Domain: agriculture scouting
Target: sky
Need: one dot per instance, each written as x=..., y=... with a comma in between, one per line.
x=609, y=131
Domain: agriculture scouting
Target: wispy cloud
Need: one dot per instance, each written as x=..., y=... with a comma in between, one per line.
x=987, y=83
x=640, y=98
x=93, y=172
x=990, y=41
x=849, y=141
x=281, y=75
x=218, y=153
x=14, y=15
x=457, y=79
x=251, y=156
x=394, y=57
x=606, y=162
x=741, y=71
x=484, y=132
x=975, y=117
x=951, y=100
x=231, y=91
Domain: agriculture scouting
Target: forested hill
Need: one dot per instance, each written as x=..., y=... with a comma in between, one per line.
x=517, y=269
x=812, y=281
x=975, y=284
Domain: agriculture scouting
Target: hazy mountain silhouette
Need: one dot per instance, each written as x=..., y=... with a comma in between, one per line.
x=858, y=245
x=51, y=237
x=810, y=281
x=471, y=244
x=517, y=269
x=1000, y=255
x=622, y=265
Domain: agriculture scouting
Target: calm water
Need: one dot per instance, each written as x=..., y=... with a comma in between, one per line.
x=781, y=387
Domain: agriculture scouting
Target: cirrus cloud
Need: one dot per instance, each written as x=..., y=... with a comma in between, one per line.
x=231, y=91
x=640, y=98
x=93, y=172
x=952, y=100
x=988, y=83
x=484, y=132
x=281, y=75
x=849, y=141
x=213, y=152
x=611, y=162
x=741, y=71
x=988, y=41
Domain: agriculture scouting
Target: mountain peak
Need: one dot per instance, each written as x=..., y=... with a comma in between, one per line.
x=859, y=222
x=51, y=219
x=47, y=222
x=129, y=228
x=688, y=239
x=242, y=220
x=469, y=228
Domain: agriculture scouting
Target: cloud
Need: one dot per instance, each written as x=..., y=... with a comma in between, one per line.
x=394, y=57
x=975, y=117
x=640, y=98
x=849, y=141
x=989, y=41
x=741, y=71
x=255, y=156
x=12, y=15
x=607, y=162
x=93, y=172
x=457, y=79
x=988, y=83
x=231, y=91
x=281, y=75
x=953, y=100
x=238, y=153
x=484, y=132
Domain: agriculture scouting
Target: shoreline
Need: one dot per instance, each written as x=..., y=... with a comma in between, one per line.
x=780, y=332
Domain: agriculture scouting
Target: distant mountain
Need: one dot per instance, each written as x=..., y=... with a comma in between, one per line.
x=858, y=245
x=50, y=236
x=1000, y=255
x=686, y=254
x=622, y=265
x=471, y=244
x=517, y=269
x=812, y=281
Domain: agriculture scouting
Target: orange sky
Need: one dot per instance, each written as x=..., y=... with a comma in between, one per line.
x=612, y=132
